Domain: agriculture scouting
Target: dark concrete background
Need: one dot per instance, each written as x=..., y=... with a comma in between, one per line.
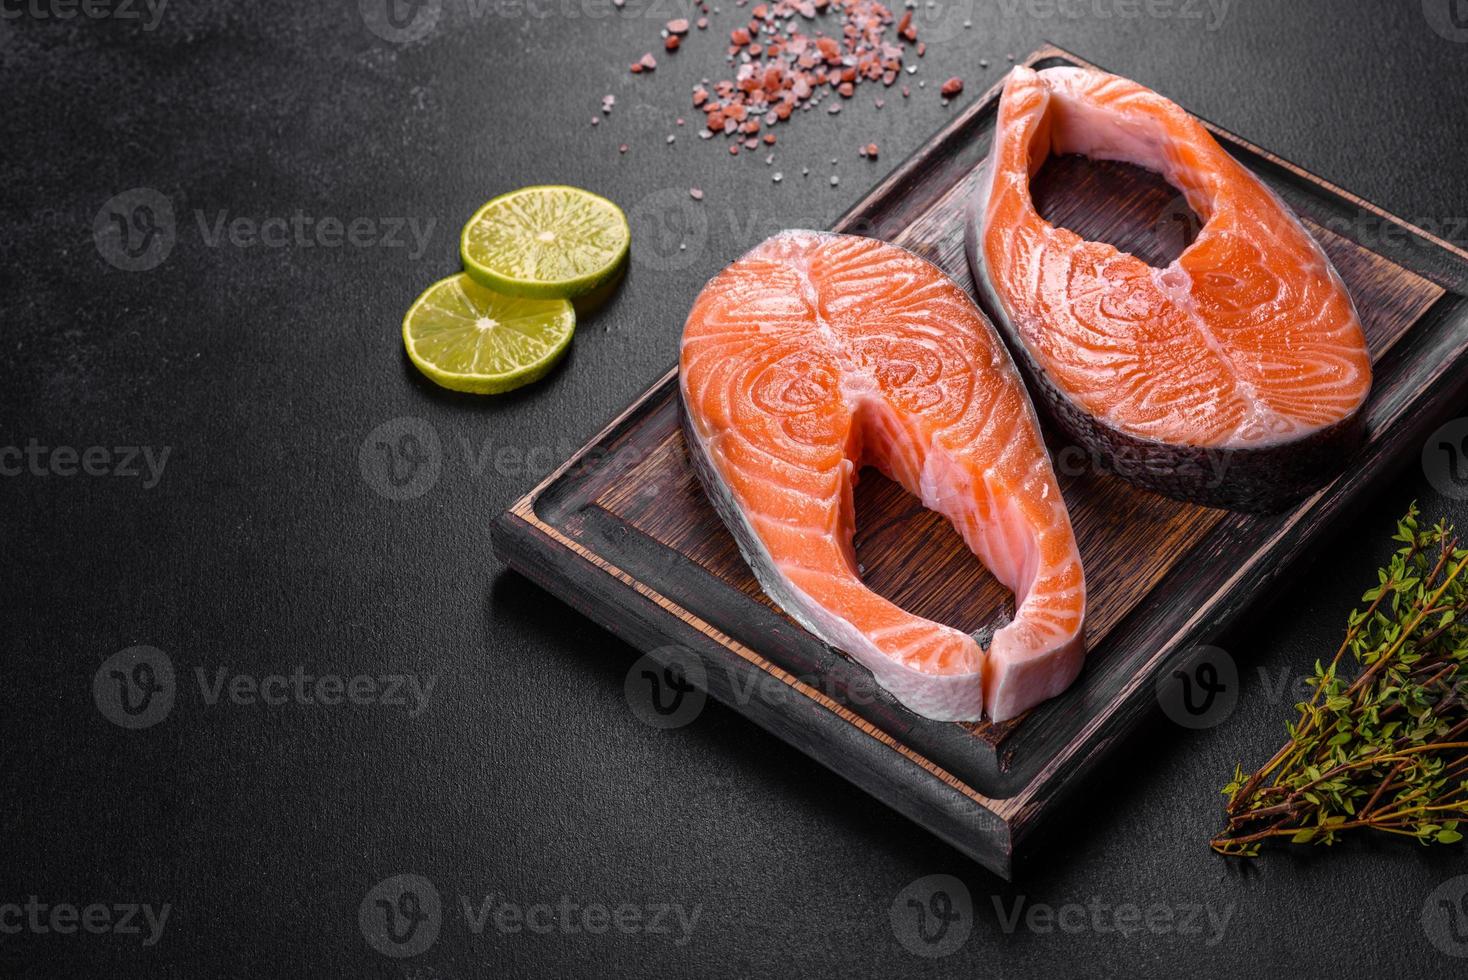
x=262, y=549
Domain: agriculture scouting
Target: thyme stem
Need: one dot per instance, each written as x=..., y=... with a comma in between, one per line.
x=1385, y=751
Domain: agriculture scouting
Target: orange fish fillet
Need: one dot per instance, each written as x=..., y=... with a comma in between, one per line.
x=1236, y=375
x=817, y=354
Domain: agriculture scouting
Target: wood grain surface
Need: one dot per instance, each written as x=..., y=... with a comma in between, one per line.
x=627, y=518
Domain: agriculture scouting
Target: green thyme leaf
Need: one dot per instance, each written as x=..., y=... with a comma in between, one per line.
x=1384, y=746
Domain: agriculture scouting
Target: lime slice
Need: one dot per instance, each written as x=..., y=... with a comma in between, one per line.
x=548, y=242
x=470, y=338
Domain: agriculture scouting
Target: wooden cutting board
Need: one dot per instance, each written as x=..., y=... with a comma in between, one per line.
x=623, y=533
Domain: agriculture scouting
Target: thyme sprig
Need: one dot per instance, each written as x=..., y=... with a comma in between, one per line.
x=1388, y=750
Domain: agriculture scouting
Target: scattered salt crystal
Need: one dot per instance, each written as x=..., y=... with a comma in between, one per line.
x=695, y=193
x=835, y=180
x=777, y=177
x=777, y=68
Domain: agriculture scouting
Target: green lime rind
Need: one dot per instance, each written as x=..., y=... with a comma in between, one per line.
x=466, y=337
x=547, y=242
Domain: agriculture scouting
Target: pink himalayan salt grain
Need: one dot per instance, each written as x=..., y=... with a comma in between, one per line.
x=778, y=67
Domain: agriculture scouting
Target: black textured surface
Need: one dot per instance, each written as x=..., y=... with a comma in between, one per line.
x=263, y=549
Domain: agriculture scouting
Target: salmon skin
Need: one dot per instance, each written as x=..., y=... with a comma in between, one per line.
x=1236, y=376
x=816, y=354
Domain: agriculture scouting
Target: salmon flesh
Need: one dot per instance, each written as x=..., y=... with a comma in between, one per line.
x=1234, y=377
x=817, y=354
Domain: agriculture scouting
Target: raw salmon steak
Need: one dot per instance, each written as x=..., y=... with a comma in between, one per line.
x=817, y=354
x=1235, y=376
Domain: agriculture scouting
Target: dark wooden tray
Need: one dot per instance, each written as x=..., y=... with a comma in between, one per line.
x=623, y=533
